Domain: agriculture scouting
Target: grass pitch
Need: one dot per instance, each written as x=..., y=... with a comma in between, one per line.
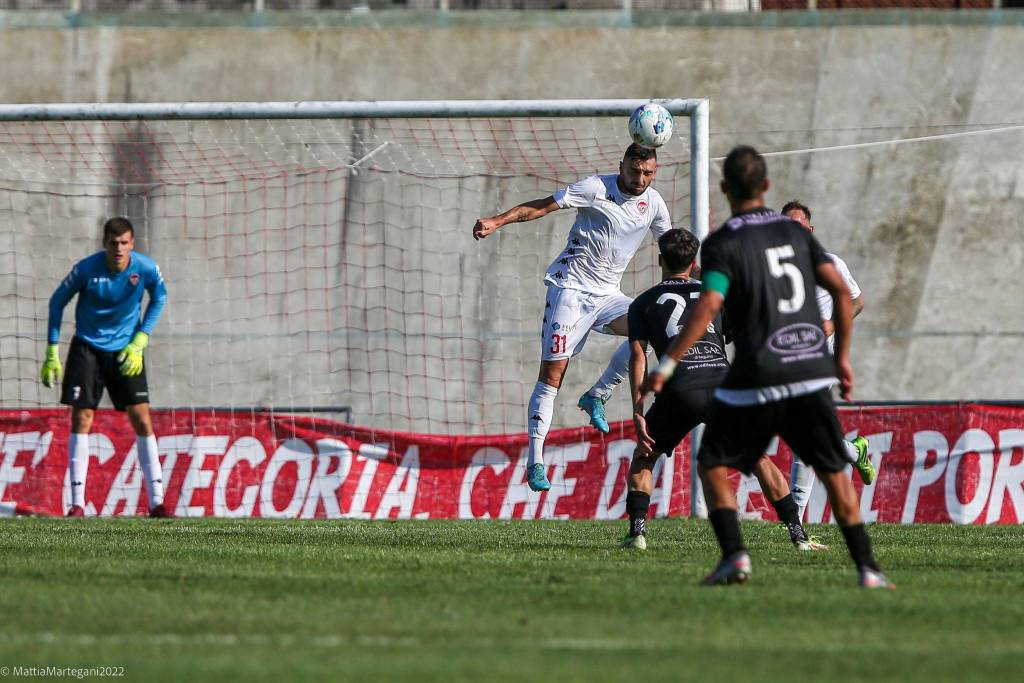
x=501, y=601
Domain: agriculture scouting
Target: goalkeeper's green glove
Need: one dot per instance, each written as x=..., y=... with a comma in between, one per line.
x=130, y=357
x=51, y=367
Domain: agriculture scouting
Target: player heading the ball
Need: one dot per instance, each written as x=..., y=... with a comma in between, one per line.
x=108, y=351
x=613, y=214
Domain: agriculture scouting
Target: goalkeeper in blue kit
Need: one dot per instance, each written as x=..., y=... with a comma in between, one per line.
x=107, y=351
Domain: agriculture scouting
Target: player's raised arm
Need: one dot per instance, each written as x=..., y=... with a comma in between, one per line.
x=842, y=317
x=528, y=211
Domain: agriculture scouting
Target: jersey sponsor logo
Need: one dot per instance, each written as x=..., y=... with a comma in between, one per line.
x=798, y=338
x=704, y=352
x=134, y=279
x=563, y=328
x=641, y=206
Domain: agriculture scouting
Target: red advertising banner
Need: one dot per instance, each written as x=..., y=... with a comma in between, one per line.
x=961, y=463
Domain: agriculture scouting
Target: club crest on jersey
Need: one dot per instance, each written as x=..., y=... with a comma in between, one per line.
x=641, y=206
x=134, y=279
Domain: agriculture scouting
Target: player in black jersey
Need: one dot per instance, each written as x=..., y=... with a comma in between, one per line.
x=763, y=267
x=655, y=317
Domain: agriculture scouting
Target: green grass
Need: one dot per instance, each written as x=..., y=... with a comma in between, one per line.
x=495, y=601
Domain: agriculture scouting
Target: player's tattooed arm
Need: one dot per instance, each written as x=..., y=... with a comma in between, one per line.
x=528, y=211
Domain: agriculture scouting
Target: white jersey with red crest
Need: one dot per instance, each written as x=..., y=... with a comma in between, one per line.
x=609, y=229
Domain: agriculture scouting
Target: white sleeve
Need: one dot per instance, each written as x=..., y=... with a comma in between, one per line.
x=580, y=194
x=844, y=271
x=661, y=222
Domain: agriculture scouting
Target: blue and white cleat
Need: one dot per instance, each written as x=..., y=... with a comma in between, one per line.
x=537, y=477
x=733, y=569
x=594, y=407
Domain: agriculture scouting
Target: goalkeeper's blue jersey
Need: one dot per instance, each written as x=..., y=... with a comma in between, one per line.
x=109, y=303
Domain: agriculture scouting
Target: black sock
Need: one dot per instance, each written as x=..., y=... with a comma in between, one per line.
x=789, y=514
x=787, y=509
x=726, y=524
x=637, y=503
x=859, y=543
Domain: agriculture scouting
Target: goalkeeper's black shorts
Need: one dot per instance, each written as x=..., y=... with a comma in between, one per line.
x=88, y=370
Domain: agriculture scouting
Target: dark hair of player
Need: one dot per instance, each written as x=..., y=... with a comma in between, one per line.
x=116, y=227
x=794, y=204
x=678, y=249
x=640, y=153
x=744, y=172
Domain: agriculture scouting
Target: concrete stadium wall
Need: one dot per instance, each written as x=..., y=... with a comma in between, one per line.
x=930, y=229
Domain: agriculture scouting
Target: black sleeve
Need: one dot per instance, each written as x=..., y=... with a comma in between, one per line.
x=714, y=256
x=725, y=328
x=635, y=320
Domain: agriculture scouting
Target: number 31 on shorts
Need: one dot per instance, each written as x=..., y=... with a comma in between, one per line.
x=557, y=343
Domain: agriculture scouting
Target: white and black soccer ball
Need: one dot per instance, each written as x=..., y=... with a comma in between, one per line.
x=651, y=125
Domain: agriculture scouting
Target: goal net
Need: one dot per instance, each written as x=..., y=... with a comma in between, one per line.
x=320, y=254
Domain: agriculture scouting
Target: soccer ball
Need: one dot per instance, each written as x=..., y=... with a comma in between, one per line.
x=651, y=125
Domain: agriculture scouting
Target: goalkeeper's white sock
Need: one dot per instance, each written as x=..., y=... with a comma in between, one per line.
x=149, y=460
x=538, y=420
x=78, y=466
x=613, y=375
x=801, y=481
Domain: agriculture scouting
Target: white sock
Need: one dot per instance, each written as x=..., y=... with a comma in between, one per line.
x=538, y=420
x=613, y=375
x=78, y=464
x=851, y=452
x=801, y=482
x=149, y=460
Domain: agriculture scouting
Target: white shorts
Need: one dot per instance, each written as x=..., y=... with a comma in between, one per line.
x=570, y=315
